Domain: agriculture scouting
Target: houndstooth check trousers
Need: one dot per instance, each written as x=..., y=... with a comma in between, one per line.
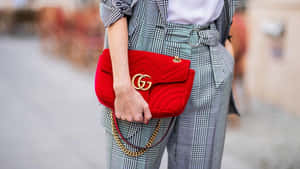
x=196, y=137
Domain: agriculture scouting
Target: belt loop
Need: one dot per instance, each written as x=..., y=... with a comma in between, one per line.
x=191, y=32
x=165, y=30
x=212, y=26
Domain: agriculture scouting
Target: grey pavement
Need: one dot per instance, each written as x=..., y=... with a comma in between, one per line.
x=48, y=111
x=50, y=119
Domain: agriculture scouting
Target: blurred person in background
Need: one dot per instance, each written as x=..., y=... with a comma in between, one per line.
x=238, y=48
x=239, y=38
x=191, y=29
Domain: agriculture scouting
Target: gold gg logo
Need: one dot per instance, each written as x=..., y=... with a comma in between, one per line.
x=141, y=84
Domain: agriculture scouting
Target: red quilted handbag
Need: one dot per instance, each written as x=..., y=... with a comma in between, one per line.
x=165, y=82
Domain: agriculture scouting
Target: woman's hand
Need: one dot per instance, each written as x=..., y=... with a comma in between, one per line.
x=131, y=106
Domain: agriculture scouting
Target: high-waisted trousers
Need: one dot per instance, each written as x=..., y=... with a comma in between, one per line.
x=196, y=137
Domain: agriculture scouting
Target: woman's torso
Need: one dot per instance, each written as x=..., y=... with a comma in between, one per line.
x=194, y=11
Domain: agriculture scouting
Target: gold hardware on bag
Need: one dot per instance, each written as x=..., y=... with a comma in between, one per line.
x=122, y=146
x=141, y=83
x=176, y=59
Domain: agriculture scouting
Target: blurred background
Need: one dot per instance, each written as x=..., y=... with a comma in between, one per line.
x=50, y=116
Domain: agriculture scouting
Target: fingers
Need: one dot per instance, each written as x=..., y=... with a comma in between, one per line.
x=131, y=117
x=123, y=117
x=147, y=114
x=138, y=117
x=118, y=115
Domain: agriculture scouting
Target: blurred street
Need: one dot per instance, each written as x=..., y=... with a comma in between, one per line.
x=50, y=118
x=48, y=111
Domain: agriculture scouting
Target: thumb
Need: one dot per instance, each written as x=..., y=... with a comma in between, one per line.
x=147, y=114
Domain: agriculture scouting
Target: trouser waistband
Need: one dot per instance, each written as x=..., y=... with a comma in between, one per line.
x=207, y=34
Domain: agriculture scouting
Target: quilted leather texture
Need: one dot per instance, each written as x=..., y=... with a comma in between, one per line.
x=171, y=82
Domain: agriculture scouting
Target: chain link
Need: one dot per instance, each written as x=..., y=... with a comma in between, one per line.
x=122, y=146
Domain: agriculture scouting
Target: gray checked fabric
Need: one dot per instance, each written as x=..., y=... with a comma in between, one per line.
x=196, y=139
x=197, y=136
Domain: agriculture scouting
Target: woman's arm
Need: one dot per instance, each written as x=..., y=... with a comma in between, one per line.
x=117, y=42
x=129, y=104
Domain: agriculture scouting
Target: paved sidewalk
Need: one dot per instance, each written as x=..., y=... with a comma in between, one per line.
x=48, y=111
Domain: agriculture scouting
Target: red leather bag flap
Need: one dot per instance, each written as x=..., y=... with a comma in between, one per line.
x=160, y=68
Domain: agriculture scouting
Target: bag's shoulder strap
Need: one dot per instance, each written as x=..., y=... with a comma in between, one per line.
x=116, y=132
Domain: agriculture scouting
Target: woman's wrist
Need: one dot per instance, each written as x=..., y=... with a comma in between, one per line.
x=122, y=86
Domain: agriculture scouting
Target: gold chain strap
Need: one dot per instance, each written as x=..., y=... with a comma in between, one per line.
x=127, y=151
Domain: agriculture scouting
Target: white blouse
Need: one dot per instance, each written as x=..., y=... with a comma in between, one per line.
x=194, y=11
